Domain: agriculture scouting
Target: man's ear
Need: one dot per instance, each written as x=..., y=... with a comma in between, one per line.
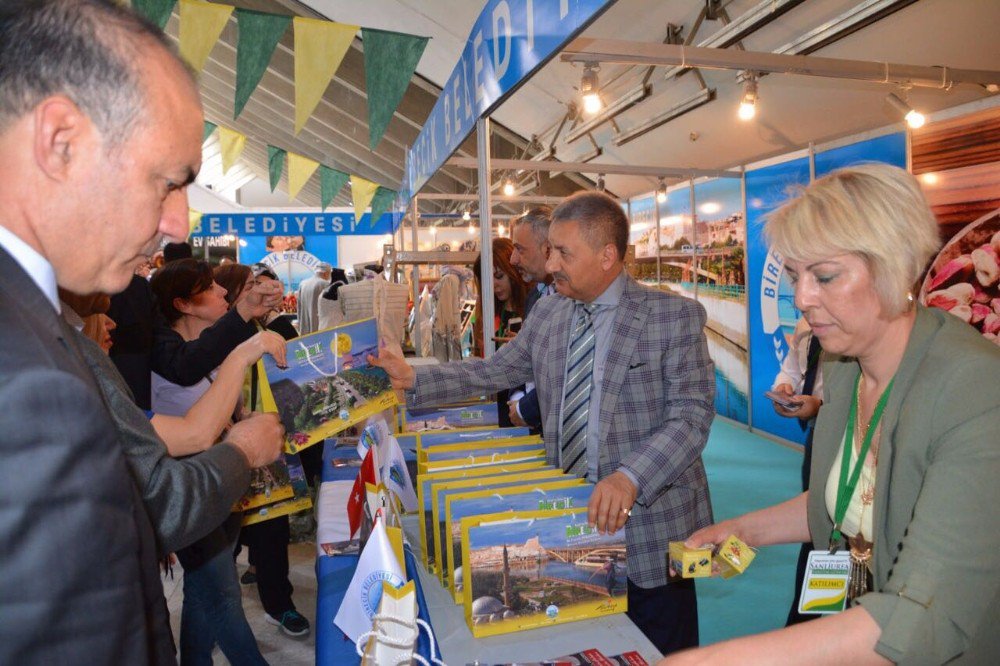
x=61, y=132
x=609, y=256
x=546, y=248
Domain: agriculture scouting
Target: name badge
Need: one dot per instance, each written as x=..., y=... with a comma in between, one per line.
x=824, y=588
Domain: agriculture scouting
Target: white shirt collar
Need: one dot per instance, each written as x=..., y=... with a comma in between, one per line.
x=71, y=317
x=35, y=265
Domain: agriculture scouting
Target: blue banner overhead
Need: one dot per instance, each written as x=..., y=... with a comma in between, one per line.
x=509, y=41
x=294, y=224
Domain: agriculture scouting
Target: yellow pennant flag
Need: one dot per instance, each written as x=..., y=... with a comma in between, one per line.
x=201, y=25
x=362, y=192
x=319, y=48
x=194, y=220
x=300, y=170
x=232, y=144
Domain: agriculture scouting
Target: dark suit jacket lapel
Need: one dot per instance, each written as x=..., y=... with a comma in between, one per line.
x=630, y=320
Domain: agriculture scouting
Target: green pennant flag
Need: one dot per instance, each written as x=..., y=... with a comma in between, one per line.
x=157, y=11
x=381, y=202
x=259, y=35
x=390, y=60
x=207, y=132
x=275, y=163
x=330, y=183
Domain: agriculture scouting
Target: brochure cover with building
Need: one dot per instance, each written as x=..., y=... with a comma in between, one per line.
x=328, y=385
x=269, y=484
x=539, y=568
x=543, y=496
x=300, y=499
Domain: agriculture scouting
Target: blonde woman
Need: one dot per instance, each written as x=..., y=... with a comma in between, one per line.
x=912, y=409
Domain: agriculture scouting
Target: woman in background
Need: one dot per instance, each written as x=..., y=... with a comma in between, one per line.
x=510, y=292
x=911, y=409
x=191, y=301
x=267, y=541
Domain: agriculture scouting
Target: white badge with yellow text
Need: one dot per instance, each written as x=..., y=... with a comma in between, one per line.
x=824, y=588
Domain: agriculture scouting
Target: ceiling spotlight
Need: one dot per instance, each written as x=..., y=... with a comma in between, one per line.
x=913, y=118
x=500, y=230
x=600, y=182
x=434, y=231
x=748, y=104
x=661, y=192
x=589, y=92
x=508, y=188
x=466, y=216
x=472, y=229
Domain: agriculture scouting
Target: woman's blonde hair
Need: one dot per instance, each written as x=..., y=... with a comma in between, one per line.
x=874, y=211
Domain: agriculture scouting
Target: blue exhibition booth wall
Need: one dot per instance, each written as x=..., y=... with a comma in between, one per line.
x=772, y=312
x=316, y=237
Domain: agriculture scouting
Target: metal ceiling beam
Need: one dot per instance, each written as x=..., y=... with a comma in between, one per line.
x=606, y=169
x=861, y=15
x=700, y=98
x=585, y=49
x=500, y=200
x=754, y=19
x=623, y=103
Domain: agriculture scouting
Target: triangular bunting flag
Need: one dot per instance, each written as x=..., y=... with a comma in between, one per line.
x=319, y=48
x=390, y=60
x=381, y=202
x=275, y=163
x=157, y=11
x=362, y=192
x=201, y=25
x=330, y=183
x=207, y=132
x=300, y=169
x=259, y=35
x=232, y=144
x=194, y=220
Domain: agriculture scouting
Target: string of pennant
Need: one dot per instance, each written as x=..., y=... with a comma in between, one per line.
x=319, y=48
x=364, y=193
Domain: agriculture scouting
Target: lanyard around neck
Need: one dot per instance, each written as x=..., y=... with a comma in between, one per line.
x=849, y=482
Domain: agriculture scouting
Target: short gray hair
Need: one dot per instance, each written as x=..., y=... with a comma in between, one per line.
x=538, y=218
x=602, y=220
x=87, y=50
x=874, y=211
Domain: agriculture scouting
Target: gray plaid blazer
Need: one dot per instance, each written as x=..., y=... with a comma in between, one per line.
x=656, y=407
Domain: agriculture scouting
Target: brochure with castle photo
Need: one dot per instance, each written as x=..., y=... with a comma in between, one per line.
x=539, y=568
x=328, y=385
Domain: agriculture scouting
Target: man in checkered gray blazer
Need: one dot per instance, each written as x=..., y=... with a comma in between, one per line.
x=650, y=402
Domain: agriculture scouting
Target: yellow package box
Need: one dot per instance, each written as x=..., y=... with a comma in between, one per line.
x=733, y=557
x=690, y=562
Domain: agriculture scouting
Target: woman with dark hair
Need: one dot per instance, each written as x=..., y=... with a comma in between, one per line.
x=510, y=292
x=267, y=541
x=191, y=301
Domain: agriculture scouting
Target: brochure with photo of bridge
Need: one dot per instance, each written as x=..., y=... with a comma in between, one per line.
x=425, y=495
x=562, y=493
x=328, y=385
x=531, y=569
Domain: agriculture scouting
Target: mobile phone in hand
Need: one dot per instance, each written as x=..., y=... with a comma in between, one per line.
x=783, y=400
x=514, y=325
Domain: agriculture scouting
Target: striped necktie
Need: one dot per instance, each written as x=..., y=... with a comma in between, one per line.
x=576, y=403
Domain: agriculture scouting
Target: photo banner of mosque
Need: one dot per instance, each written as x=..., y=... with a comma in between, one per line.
x=328, y=386
x=539, y=568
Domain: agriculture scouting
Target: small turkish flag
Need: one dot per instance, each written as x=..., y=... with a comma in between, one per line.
x=356, y=504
